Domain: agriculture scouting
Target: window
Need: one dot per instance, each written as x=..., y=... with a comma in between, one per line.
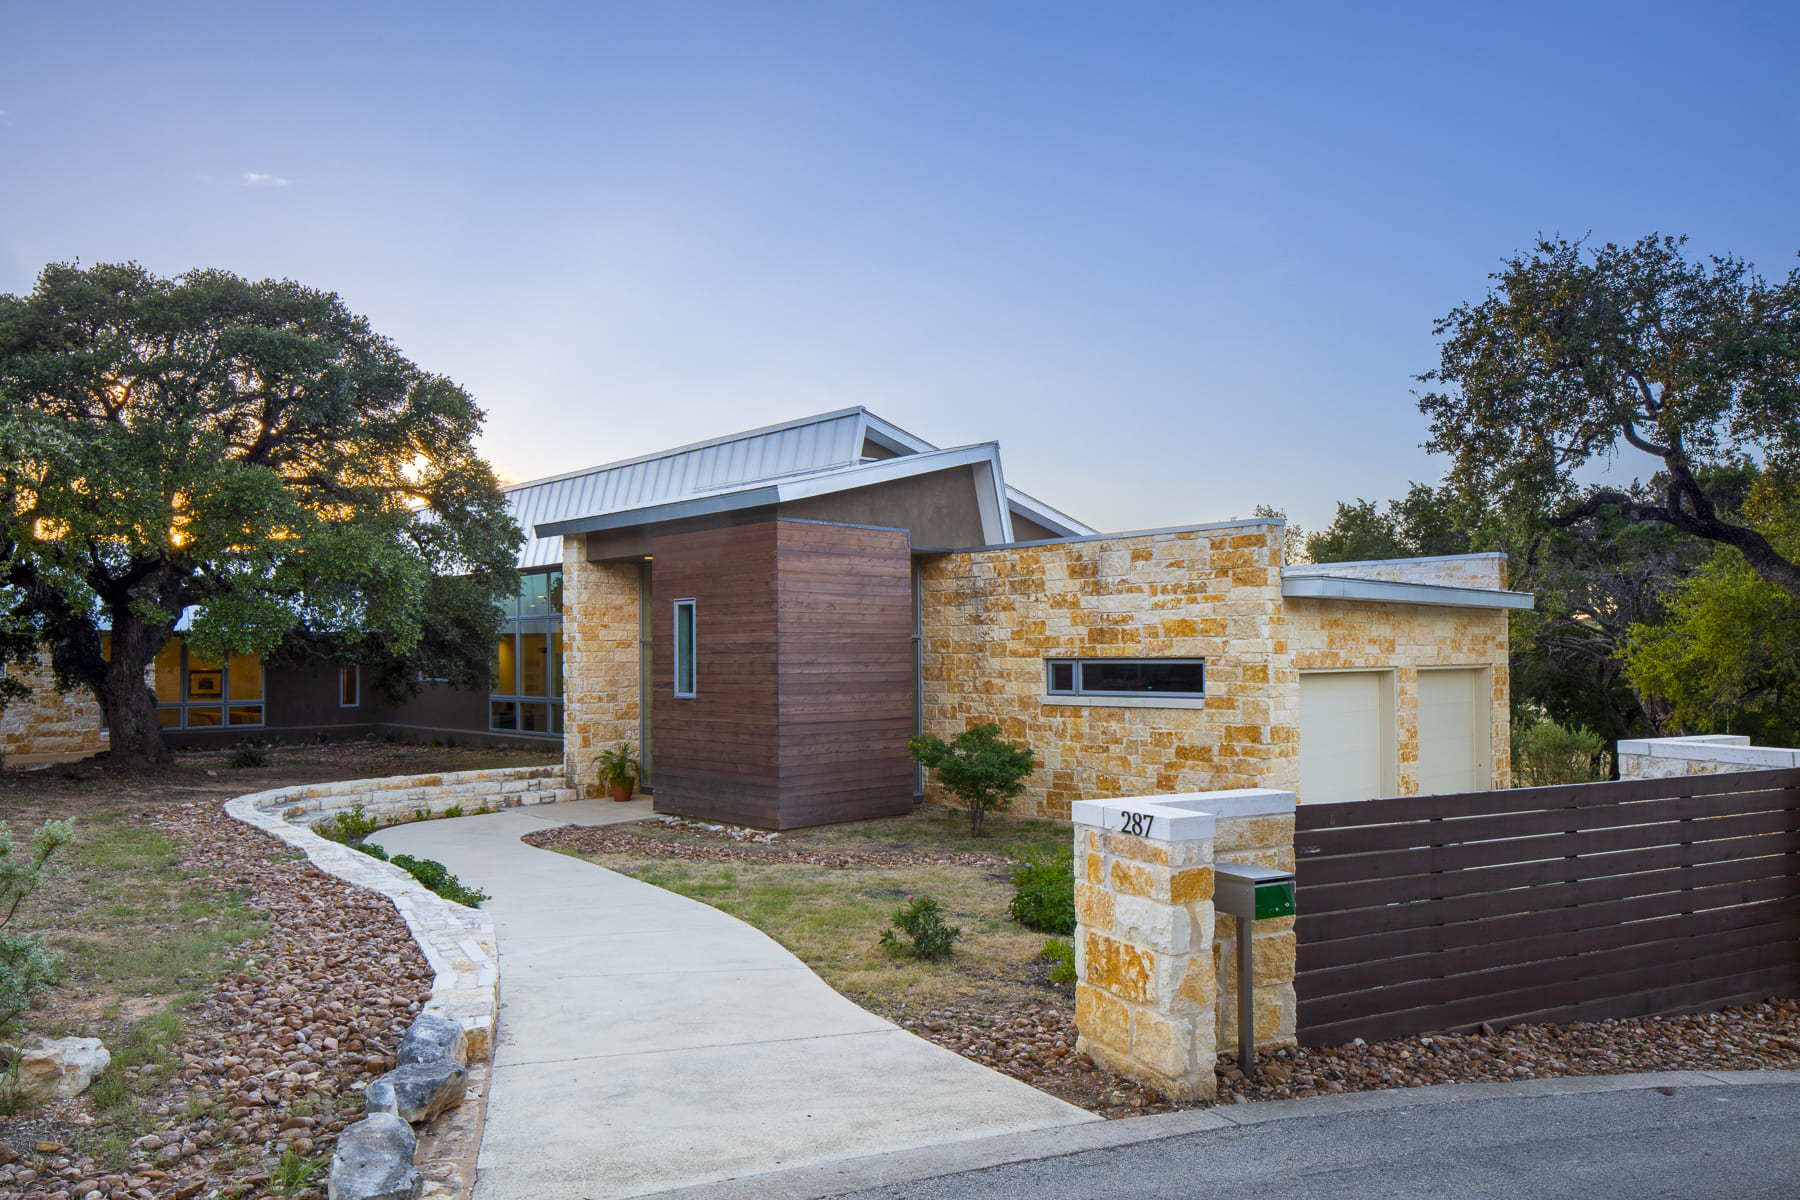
x=525, y=694
x=684, y=648
x=197, y=693
x=1172, y=677
x=349, y=689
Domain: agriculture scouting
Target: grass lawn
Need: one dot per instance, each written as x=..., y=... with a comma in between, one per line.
x=832, y=917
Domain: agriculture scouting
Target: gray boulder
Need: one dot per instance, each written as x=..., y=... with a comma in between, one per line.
x=378, y=1097
x=432, y=1038
x=423, y=1090
x=56, y=1069
x=374, y=1161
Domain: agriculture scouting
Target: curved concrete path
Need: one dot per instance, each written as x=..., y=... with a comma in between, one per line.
x=649, y=1042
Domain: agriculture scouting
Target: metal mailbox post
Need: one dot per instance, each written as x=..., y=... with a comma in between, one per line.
x=1250, y=893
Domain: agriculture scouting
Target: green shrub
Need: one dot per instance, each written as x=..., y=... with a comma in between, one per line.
x=294, y=1172
x=372, y=850
x=1062, y=961
x=27, y=966
x=455, y=810
x=437, y=877
x=1547, y=753
x=1044, y=898
x=248, y=756
x=922, y=920
x=976, y=767
x=348, y=825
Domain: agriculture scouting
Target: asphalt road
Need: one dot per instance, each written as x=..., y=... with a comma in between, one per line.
x=1689, y=1143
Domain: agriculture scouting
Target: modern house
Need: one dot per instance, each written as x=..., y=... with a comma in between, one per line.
x=769, y=615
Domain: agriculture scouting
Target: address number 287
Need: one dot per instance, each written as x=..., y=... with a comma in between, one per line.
x=1136, y=824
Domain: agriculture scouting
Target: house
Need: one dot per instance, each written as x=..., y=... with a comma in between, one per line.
x=769, y=615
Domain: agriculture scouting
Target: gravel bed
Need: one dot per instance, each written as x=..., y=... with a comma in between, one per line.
x=1037, y=1045
x=270, y=1061
x=700, y=843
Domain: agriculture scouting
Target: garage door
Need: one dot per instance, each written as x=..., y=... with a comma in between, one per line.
x=1344, y=735
x=1454, y=732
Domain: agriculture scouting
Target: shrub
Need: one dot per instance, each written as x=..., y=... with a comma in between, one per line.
x=455, y=810
x=1044, y=898
x=1547, y=753
x=372, y=850
x=293, y=1174
x=1062, y=961
x=248, y=756
x=347, y=825
x=27, y=966
x=976, y=767
x=437, y=877
x=922, y=920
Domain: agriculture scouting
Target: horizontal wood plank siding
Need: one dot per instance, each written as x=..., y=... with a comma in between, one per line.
x=844, y=598
x=1594, y=901
x=717, y=752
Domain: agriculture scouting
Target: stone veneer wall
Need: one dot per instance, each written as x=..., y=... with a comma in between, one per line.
x=457, y=941
x=1707, y=754
x=49, y=721
x=991, y=617
x=1264, y=841
x=601, y=652
x=1445, y=570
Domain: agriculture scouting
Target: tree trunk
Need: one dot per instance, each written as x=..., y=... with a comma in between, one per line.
x=127, y=701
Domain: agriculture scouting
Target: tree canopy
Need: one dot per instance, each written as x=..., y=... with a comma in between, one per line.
x=253, y=451
x=1581, y=353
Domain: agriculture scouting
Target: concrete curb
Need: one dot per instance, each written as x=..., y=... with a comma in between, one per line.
x=457, y=941
x=855, y=1174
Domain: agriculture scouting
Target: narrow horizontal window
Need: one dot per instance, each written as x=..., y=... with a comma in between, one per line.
x=1173, y=677
x=685, y=634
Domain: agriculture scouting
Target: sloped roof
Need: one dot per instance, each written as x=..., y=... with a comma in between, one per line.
x=807, y=456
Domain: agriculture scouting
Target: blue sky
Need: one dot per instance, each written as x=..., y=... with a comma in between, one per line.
x=1178, y=259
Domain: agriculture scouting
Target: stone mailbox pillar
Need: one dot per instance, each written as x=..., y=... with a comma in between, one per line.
x=1148, y=999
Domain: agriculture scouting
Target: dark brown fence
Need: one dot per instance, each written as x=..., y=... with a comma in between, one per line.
x=1429, y=913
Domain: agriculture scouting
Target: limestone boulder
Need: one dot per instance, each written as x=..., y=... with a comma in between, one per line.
x=374, y=1161
x=423, y=1090
x=58, y=1069
x=378, y=1097
x=432, y=1038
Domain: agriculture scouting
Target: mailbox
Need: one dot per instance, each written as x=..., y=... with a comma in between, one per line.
x=1250, y=893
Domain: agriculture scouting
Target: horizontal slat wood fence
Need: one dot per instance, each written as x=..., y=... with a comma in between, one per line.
x=1436, y=913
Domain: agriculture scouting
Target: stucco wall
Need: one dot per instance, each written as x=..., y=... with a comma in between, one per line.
x=600, y=662
x=991, y=618
x=49, y=721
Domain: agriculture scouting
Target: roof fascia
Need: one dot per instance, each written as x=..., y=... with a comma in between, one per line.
x=1050, y=518
x=1387, y=591
x=890, y=436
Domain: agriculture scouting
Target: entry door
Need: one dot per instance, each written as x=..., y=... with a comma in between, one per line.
x=1346, y=735
x=1455, y=731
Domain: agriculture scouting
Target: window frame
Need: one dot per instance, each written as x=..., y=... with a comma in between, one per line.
x=1077, y=694
x=514, y=622
x=693, y=650
x=225, y=704
x=351, y=675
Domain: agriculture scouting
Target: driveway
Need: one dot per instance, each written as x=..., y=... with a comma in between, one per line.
x=648, y=1042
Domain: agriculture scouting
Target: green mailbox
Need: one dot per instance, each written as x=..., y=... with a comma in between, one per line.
x=1250, y=893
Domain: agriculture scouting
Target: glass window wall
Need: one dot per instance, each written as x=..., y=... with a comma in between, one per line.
x=193, y=692
x=527, y=679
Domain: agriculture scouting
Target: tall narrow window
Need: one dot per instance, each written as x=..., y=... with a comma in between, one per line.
x=347, y=687
x=684, y=647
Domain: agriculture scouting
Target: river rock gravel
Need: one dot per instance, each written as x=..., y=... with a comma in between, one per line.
x=269, y=1061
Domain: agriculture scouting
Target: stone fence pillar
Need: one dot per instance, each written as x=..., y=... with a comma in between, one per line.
x=1152, y=985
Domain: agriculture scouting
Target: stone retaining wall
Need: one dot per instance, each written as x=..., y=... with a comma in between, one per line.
x=1708, y=754
x=457, y=941
x=49, y=722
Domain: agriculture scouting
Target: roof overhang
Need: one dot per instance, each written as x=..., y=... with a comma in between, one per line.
x=1043, y=514
x=982, y=460
x=1387, y=591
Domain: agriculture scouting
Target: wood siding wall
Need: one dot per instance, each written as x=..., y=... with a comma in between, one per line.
x=803, y=674
x=1577, y=903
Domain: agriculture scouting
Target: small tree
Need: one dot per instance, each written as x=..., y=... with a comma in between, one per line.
x=976, y=767
x=26, y=967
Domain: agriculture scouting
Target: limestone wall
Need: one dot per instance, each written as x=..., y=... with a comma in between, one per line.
x=991, y=618
x=1450, y=570
x=50, y=722
x=601, y=648
x=1265, y=841
x=1708, y=754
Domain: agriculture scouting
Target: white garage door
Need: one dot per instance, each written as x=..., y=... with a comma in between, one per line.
x=1344, y=728
x=1454, y=732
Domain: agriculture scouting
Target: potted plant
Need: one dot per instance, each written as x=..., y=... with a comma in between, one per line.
x=619, y=770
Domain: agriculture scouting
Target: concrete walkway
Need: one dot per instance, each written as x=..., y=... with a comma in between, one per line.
x=649, y=1042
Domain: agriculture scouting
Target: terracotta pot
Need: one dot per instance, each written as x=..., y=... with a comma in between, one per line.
x=621, y=791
